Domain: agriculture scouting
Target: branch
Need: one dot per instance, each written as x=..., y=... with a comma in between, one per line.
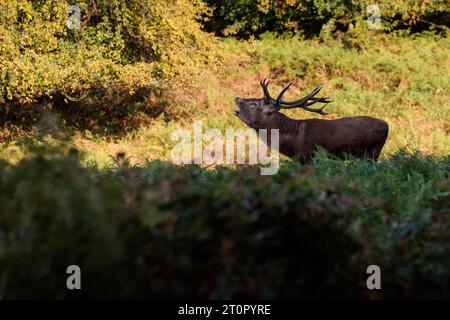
x=81, y=97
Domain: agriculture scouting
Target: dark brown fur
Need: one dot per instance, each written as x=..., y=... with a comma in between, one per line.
x=362, y=136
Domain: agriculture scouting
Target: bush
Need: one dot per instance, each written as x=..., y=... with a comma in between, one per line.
x=126, y=44
x=186, y=232
x=247, y=17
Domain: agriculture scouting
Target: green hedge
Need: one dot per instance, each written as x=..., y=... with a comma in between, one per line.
x=252, y=17
x=186, y=232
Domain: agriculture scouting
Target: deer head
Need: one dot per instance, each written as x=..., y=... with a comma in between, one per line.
x=262, y=113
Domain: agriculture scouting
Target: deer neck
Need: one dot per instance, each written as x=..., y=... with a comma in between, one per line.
x=283, y=123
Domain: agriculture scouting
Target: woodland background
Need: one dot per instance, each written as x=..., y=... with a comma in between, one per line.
x=86, y=117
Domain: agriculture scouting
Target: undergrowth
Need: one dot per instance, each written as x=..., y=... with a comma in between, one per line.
x=162, y=230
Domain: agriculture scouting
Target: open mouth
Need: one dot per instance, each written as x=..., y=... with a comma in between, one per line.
x=236, y=112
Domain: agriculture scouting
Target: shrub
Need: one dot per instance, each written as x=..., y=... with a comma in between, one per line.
x=128, y=44
x=247, y=17
x=186, y=232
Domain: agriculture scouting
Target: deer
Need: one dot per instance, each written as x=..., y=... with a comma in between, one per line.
x=361, y=136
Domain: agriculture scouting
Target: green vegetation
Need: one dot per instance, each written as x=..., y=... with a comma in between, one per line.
x=249, y=17
x=89, y=181
x=122, y=44
x=405, y=81
x=162, y=230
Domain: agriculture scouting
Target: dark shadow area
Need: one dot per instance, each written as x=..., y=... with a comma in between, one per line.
x=167, y=231
x=250, y=19
x=108, y=111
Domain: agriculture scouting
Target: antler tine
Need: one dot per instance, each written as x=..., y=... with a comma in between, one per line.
x=264, y=84
x=303, y=101
x=319, y=110
x=323, y=100
x=280, y=96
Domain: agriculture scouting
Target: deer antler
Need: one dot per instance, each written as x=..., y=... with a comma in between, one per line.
x=303, y=103
x=265, y=84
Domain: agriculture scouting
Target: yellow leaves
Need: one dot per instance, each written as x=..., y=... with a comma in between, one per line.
x=138, y=43
x=138, y=75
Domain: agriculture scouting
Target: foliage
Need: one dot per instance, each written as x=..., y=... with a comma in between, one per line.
x=402, y=80
x=185, y=232
x=127, y=44
x=159, y=230
x=247, y=17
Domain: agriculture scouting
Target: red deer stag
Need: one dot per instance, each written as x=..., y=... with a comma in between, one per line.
x=362, y=136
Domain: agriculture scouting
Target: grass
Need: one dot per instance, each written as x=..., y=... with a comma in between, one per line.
x=140, y=226
x=405, y=81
